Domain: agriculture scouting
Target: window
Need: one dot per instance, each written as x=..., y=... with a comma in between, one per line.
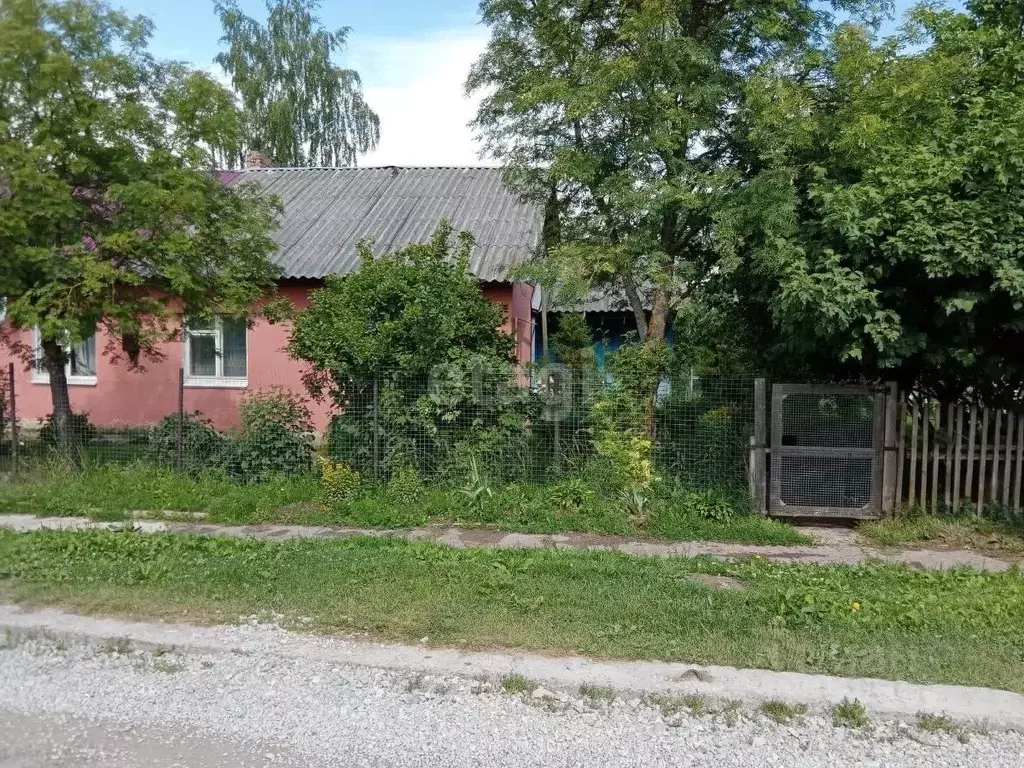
x=215, y=353
x=80, y=367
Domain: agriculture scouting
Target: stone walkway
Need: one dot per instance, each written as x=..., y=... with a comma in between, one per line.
x=832, y=545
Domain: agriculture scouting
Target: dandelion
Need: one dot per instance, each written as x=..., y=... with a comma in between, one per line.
x=854, y=606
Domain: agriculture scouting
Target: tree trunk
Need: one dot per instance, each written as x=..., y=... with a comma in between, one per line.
x=54, y=359
x=544, y=301
x=638, y=307
x=655, y=343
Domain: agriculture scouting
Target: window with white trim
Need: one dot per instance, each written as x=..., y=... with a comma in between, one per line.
x=80, y=367
x=215, y=352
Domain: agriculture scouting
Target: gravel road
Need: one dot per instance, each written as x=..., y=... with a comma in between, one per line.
x=65, y=703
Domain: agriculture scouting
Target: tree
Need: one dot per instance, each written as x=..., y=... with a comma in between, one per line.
x=406, y=311
x=299, y=107
x=624, y=109
x=895, y=249
x=108, y=212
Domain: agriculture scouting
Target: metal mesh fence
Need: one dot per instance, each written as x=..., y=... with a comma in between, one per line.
x=452, y=428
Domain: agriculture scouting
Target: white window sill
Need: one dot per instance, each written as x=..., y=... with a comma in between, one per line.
x=73, y=381
x=212, y=382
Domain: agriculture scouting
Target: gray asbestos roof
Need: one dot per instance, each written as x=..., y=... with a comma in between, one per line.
x=328, y=210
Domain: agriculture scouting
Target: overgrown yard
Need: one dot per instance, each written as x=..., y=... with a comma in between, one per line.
x=112, y=491
x=958, y=532
x=872, y=620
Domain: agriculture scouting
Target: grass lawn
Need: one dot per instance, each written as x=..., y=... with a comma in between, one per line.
x=112, y=491
x=946, y=532
x=956, y=626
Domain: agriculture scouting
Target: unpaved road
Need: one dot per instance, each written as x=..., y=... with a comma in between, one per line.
x=72, y=704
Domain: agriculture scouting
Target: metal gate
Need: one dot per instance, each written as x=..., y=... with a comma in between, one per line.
x=827, y=449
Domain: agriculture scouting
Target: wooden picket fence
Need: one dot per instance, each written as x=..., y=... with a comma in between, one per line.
x=956, y=455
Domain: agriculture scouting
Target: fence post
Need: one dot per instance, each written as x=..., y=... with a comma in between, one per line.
x=14, y=421
x=760, y=445
x=181, y=418
x=889, y=450
x=376, y=428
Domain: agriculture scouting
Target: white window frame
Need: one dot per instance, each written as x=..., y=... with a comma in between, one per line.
x=41, y=376
x=218, y=380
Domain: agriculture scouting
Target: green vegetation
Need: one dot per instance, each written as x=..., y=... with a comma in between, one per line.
x=516, y=683
x=849, y=714
x=932, y=723
x=783, y=712
x=597, y=692
x=956, y=626
x=111, y=491
x=110, y=216
x=946, y=531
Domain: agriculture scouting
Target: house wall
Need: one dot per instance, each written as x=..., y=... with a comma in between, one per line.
x=123, y=397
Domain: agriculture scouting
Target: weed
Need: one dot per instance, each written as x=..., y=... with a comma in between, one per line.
x=731, y=712
x=935, y=723
x=672, y=705
x=782, y=712
x=168, y=666
x=849, y=714
x=119, y=645
x=597, y=692
x=516, y=683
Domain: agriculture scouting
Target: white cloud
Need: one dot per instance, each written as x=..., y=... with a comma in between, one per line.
x=416, y=87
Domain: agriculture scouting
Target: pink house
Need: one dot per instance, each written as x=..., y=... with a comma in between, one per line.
x=326, y=212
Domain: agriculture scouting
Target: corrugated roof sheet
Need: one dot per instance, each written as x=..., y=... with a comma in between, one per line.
x=605, y=299
x=327, y=211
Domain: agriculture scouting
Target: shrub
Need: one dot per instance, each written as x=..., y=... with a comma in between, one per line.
x=405, y=486
x=276, y=437
x=203, y=447
x=338, y=481
x=82, y=430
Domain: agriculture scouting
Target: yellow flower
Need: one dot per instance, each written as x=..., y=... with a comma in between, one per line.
x=854, y=606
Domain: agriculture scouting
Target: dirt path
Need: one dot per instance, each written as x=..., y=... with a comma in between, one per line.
x=833, y=545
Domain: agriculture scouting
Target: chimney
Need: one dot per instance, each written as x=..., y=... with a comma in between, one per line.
x=254, y=159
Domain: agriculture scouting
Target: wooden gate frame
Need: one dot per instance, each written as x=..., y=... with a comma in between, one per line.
x=873, y=508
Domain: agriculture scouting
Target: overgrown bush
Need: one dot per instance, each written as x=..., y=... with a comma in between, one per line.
x=276, y=437
x=202, y=446
x=83, y=432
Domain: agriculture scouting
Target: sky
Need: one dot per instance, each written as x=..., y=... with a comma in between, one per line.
x=412, y=55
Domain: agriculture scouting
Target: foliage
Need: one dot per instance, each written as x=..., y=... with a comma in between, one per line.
x=276, y=437
x=83, y=431
x=572, y=343
x=892, y=248
x=849, y=714
x=708, y=505
x=477, y=489
x=573, y=493
x=408, y=311
x=298, y=106
x=617, y=115
x=338, y=480
x=623, y=450
x=405, y=486
x=952, y=626
x=108, y=215
x=202, y=447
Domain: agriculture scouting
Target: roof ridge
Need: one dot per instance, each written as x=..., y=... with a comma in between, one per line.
x=365, y=168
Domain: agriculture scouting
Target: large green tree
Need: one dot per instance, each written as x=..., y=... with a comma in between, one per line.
x=109, y=214
x=623, y=110
x=895, y=246
x=300, y=108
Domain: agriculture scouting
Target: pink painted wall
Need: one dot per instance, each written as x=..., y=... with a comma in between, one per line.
x=121, y=397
